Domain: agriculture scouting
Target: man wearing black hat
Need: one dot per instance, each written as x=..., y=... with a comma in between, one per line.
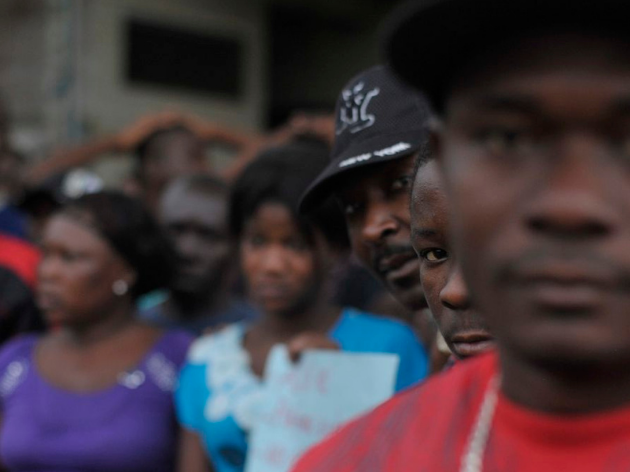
x=381, y=126
x=535, y=153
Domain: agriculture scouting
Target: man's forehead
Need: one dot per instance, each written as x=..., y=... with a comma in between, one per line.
x=376, y=175
x=566, y=56
x=427, y=190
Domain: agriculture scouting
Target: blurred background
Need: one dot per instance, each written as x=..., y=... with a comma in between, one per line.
x=75, y=69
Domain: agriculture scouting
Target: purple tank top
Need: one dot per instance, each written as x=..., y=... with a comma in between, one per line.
x=128, y=427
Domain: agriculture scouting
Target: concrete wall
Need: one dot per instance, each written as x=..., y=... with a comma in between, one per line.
x=62, y=66
x=111, y=101
x=62, y=62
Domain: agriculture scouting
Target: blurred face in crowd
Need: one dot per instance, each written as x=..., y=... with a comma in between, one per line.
x=169, y=155
x=282, y=267
x=197, y=223
x=77, y=272
x=375, y=200
x=536, y=156
x=462, y=327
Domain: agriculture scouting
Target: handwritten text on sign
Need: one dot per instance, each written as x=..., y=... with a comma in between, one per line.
x=308, y=401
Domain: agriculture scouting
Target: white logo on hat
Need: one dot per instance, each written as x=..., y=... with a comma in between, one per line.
x=388, y=151
x=353, y=114
x=355, y=160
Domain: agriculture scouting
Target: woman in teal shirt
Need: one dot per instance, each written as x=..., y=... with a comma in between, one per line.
x=286, y=260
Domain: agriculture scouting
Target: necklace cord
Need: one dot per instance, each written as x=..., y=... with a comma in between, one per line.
x=472, y=461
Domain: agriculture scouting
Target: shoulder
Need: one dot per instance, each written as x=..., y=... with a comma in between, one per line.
x=174, y=345
x=370, y=320
x=153, y=314
x=414, y=421
x=20, y=346
x=385, y=328
x=219, y=344
x=14, y=363
x=242, y=307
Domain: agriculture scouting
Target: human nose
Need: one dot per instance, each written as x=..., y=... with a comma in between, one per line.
x=187, y=245
x=273, y=260
x=573, y=199
x=454, y=294
x=378, y=223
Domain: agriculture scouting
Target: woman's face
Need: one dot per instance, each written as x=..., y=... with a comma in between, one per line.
x=77, y=273
x=279, y=264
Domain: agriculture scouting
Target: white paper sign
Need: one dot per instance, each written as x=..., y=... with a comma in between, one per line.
x=308, y=400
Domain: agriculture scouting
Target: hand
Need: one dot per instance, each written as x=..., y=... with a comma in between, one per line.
x=310, y=340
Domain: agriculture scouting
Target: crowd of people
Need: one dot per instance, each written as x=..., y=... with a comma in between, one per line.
x=463, y=211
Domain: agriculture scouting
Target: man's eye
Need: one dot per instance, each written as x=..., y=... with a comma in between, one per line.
x=434, y=255
x=210, y=235
x=506, y=140
x=402, y=183
x=70, y=256
x=255, y=241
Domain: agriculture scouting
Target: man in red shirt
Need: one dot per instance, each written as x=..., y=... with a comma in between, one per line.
x=534, y=147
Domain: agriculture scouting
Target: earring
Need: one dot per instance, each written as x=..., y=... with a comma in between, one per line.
x=120, y=288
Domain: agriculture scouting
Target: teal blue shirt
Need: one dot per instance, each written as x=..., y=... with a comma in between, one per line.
x=218, y=392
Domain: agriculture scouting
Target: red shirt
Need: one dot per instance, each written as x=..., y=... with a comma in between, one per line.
x=427, y=429
x=21, y=257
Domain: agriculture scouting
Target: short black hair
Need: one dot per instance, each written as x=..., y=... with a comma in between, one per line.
x=132, y=232
x=281, y=175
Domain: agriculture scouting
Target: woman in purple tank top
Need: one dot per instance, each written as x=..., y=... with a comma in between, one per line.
x=96, y=392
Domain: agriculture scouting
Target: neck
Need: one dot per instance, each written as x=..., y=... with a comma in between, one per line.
x=193, y=305
x=108, y=325
x=320, y=318
x=564, y=389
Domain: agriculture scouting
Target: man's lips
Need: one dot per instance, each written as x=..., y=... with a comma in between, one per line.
x=567, y=286
x=567, y=273
x=399, y=266
x=472, y=343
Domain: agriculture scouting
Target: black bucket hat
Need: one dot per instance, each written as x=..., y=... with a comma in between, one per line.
x=426, y=42
x=377, y=119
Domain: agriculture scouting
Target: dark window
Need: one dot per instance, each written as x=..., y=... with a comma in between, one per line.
x=178, y=58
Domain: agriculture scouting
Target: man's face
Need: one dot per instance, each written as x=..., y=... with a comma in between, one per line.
x=196, y=222
x=376, y=203
x=172, y=155
x=447, y=295
x=536, y=156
